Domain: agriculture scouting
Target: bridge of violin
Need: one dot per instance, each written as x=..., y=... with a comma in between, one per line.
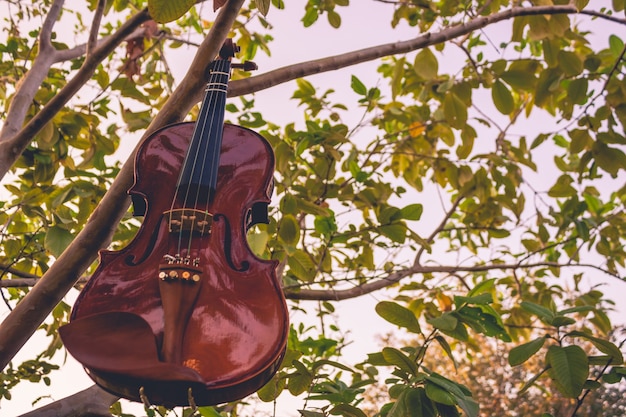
x=187, y=220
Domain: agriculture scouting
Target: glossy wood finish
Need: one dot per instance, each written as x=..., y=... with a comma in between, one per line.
x=230, y=340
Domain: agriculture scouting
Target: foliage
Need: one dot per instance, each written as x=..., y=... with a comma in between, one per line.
x=476, y=192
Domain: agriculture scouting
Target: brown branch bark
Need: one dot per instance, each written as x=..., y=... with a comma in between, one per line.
x=395, y=277
x=332, y=63
x=95, y=27
x=91, y=402
x=21, y=323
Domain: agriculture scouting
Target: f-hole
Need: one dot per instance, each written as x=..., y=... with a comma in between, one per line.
x=245, y=265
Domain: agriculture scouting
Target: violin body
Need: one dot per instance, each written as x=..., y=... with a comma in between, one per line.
x=202, y=322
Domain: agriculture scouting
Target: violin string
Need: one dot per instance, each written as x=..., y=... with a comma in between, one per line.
x=216, y=108
x=208, y=107
x=198, y=130
x=206, y=117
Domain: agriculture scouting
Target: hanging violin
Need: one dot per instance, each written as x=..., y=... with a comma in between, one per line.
x=186, y=313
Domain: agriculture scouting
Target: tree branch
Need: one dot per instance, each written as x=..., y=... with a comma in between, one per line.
x=95, y=27
x=303, y=69
x=22, y=322
x=92, y=402
x=395, y=277
x=13, y=137
x=430, y=239
x=45, y=36
x=28, y=87
x=14, y=271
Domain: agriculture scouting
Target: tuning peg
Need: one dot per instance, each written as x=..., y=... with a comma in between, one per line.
x=246, y=66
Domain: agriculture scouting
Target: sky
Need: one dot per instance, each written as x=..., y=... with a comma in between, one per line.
x=366, y=24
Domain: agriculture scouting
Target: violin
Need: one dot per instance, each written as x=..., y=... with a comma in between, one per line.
x=186, y=314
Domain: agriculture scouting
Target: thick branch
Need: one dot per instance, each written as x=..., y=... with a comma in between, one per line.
x=21, y=323
x=303, y=69
x=92, y=402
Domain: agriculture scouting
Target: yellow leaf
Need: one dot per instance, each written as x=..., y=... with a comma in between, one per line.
x=416, y=129
x=445, y=302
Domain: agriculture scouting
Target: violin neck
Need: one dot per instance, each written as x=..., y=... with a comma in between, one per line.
x=198, y=176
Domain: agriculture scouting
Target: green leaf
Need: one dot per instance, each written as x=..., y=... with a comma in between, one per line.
x=484, y=298
x=347, y=410
x=522, y=353
x=569, y=368
x=439, y=395
x=484, y=319
x=334, y=19
x=325, y=225
x=609, y=159
x=399, y=315
x=300, y=380
x=455, y=111
x=581, y=4
x=616, y=45
x=538, y=310
x=426, y=65
x=163, y=11
x=271, y=390
x=615, y=375
x=547, y=86
x=129, y=89
x=447, y=321
x=539, y=27
x=57, y=240
x=207, y=411
x=581, y=139
x=412, y=402
x=460, y=392
x=263, y=6
x=482, y=287
x=289, y=230
x=310, y=17
x=520, y=79
x=301, y=265
x=502, y=98
x=258, y=242
x=570, y=63
x=577, y=90
x=312, y=208
x=357, y=86
x=560, y=321
x=394, y=231
x=562, y=187
x=446, y=347
x=604, y=346
x=400, y=360
x=322, y=362
x=412, y=212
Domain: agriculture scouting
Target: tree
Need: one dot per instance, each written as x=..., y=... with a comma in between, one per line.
x=524, y=209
